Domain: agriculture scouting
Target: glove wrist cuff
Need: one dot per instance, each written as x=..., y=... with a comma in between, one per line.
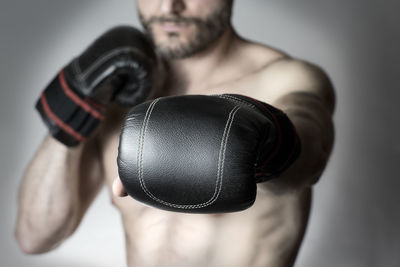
x=70, y=117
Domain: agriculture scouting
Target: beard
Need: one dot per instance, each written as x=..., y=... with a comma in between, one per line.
x=206, y=31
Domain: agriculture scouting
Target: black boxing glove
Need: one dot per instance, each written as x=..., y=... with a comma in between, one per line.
x=203, y=154
x=119, y=66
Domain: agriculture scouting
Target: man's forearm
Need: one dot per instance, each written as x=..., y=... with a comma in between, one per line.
x=48, y=197
x=314, y=125
x=312, y=161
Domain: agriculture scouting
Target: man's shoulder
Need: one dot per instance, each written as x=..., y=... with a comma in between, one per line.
x=293, y=69
x=269, y=61
x=287, y=75
x=257, y=56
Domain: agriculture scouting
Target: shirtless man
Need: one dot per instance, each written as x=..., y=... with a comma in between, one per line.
x=205, y=56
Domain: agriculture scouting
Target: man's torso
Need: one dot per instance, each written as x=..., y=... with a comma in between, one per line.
x=267, y=234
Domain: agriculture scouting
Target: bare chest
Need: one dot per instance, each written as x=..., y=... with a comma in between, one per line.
x=251, y=85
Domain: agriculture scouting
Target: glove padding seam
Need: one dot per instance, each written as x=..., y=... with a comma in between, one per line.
x=221, y=160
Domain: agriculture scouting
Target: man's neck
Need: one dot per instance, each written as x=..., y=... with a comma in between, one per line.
x=194, y=73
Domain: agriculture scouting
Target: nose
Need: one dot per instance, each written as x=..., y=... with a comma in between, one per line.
x=172, y=7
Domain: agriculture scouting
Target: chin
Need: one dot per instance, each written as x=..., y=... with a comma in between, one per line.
x=168, y=45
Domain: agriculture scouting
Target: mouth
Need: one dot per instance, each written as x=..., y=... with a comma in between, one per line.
x=172, y=27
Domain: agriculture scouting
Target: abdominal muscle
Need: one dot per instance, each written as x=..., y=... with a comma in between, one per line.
x=267, y=234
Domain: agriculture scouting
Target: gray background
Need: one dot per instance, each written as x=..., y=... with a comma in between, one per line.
x=355, y=216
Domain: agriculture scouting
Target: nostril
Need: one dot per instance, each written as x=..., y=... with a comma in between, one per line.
x=178, y=6
x=173, y=6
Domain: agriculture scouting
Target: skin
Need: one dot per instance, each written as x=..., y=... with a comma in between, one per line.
x=60, y=183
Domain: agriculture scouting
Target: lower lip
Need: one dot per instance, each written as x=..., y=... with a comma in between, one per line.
x=172, y=27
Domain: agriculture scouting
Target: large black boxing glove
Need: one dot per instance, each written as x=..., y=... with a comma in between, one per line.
x=203, y=154
x=118, y=66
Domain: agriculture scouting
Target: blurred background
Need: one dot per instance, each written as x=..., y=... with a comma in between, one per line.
x=355, y=215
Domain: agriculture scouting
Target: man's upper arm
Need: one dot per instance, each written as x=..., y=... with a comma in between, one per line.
x=304, y=92
x=287, y=76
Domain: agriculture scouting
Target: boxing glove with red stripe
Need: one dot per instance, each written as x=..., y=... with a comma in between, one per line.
x=119, y=66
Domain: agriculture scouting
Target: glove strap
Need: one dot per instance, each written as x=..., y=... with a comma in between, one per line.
x=70, y=116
